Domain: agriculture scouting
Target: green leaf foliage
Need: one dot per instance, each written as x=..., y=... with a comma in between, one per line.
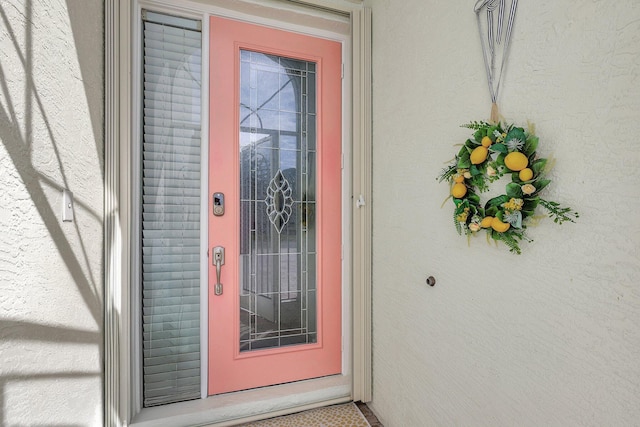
x=515, y=133
x=499, y=148
x=447, y=173
x=473, y=197
x=479, y=182
x=511, y=242
x=511, y=238
x=475, y=125
x=457, y=223
x=471, y=145
x=530, y=204
x=464, y=162
x=558, y=213
x=490, y=211
x=514, y=190
x=496, y=201
x=541, y=183
x=531, y=146
x=538, y=166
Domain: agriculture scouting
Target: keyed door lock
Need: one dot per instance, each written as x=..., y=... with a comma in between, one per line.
x=218, y=204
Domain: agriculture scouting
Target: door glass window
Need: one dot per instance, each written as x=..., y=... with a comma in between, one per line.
x=277, y=201
x=170, y=208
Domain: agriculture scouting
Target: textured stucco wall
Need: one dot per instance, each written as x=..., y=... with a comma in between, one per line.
x=551, y=337
x=51, y=137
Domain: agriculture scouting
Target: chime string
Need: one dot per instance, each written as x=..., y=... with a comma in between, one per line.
x=489, y=48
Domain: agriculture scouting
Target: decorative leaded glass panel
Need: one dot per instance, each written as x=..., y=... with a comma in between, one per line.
x=277, y=201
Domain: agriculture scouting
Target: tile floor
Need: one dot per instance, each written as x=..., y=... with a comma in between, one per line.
x=371, y=418
x=350, y=414
x=343, y=415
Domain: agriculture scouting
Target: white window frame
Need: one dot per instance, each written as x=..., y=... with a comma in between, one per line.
x=122, y=399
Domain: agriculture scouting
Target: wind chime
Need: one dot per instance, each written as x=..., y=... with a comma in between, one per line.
x=495, y=41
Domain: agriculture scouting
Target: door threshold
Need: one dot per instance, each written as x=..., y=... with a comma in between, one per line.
x=230, y=409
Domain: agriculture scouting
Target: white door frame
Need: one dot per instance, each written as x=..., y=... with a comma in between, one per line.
x=121, y=400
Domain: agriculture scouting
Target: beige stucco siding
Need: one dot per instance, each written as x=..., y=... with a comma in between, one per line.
x=550, y=337
x=51, y=138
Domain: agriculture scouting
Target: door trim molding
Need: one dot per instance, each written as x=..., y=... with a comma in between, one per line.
x=361, y=208
x=121, y=402
x=117, y=362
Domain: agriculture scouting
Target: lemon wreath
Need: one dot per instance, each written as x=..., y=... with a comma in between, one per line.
x=494, y=151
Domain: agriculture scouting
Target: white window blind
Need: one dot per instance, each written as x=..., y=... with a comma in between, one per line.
x=170, y=208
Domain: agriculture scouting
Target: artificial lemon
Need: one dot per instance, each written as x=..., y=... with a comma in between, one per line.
x=499, y=226
x=486, y=222
x=458, y=178
x=486, y=141
x=479, y=155
x=458, y=190
x=515, y=161
x=525, y=174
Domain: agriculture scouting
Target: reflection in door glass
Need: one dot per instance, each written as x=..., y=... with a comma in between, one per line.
x=277, y=201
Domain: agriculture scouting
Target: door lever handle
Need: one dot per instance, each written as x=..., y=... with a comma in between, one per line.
x=218, y=261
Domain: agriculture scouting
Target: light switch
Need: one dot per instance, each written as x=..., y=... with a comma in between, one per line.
x=67, y=206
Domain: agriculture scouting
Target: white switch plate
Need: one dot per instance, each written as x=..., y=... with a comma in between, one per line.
x=67, y=206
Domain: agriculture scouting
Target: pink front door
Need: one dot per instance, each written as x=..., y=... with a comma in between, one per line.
x=275, y=166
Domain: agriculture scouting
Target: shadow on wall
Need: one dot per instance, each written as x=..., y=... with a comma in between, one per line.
x=16, y=137
x=25, y=331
